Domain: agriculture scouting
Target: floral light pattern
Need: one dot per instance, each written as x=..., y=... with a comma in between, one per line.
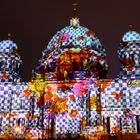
x=117, y=96
x=74, y=113
x=102, y=84
x=80, y=88
x=4, y=76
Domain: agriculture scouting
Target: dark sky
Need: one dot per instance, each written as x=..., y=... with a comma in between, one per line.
x=33, y=23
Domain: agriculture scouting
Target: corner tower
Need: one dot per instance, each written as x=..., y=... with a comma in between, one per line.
x=129, y=55
x=10, y=61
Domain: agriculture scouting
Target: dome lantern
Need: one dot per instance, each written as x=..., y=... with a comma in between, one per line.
x=131, y=35
x=75, y=20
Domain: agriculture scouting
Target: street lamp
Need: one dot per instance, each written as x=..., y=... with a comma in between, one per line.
x=101, y=128
x=17, y=129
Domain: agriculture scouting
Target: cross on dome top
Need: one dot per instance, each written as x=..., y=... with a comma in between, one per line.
x=75, y=20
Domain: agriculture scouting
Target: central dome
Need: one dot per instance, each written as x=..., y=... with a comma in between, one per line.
x=73, y=52
x=75, y=36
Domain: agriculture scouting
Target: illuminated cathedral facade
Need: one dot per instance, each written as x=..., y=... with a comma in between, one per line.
x=69, y=91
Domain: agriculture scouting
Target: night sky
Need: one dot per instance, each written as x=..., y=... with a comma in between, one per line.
x=33, y=23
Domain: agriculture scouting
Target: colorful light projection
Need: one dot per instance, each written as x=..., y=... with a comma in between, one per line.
x=68, y=95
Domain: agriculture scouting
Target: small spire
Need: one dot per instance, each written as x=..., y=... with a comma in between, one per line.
x=130, y=26
x=75, y=9
x=9, y=35
x=74, y=21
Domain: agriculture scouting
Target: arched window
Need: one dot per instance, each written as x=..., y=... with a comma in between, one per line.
x=48, y=69
x=17, y=68
x=75, y=66
x=101, y=71
x=1, y=64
